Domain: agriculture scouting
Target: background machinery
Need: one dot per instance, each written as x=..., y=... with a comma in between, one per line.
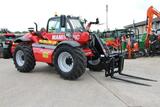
x=6, y=40
x=152, y=38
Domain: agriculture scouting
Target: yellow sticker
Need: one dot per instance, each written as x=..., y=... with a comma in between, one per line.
x=45, y=54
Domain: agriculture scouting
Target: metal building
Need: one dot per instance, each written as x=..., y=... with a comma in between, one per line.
x=142, y=25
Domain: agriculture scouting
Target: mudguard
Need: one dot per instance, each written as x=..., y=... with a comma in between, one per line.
x=70, y=43
x=22, y=39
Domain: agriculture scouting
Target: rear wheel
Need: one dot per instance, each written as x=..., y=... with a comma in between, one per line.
x=70, y=62
x=95, y=65
x=24, y=59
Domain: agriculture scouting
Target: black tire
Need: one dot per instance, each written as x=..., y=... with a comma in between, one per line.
x=95, y=67
x=28, y=57
x=79, y=62
x=6, y=53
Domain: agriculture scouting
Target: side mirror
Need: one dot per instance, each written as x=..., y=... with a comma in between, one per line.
x=63, y=20
x=31, y=29
x=97, y=21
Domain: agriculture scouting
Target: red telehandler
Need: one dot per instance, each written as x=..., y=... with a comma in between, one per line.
x=70, y=48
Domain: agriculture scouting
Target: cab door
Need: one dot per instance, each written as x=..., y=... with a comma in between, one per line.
x=55, y=31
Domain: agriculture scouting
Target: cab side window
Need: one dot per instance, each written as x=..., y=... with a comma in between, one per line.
x=54, y=26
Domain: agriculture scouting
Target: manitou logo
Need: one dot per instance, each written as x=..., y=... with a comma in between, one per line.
x=58, y=37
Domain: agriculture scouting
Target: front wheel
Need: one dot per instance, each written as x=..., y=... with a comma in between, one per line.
x=70, y=62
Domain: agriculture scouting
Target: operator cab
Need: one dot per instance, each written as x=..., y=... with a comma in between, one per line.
x=60, y=28
x=64, y=24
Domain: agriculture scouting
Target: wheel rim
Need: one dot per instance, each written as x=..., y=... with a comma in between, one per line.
x=65, y=62
x=20, y=57
x=94, y=62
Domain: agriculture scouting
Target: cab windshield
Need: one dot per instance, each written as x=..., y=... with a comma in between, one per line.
x=77, y=25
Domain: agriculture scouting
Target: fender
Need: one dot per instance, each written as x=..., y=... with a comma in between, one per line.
x=22, y=39
x=70, y=43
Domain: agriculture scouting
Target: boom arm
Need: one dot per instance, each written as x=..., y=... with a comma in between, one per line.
x=150, y=14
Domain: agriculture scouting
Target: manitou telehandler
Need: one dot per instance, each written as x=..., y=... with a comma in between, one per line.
x=69, y=47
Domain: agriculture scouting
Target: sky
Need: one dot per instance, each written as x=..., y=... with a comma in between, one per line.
x=18, y=15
